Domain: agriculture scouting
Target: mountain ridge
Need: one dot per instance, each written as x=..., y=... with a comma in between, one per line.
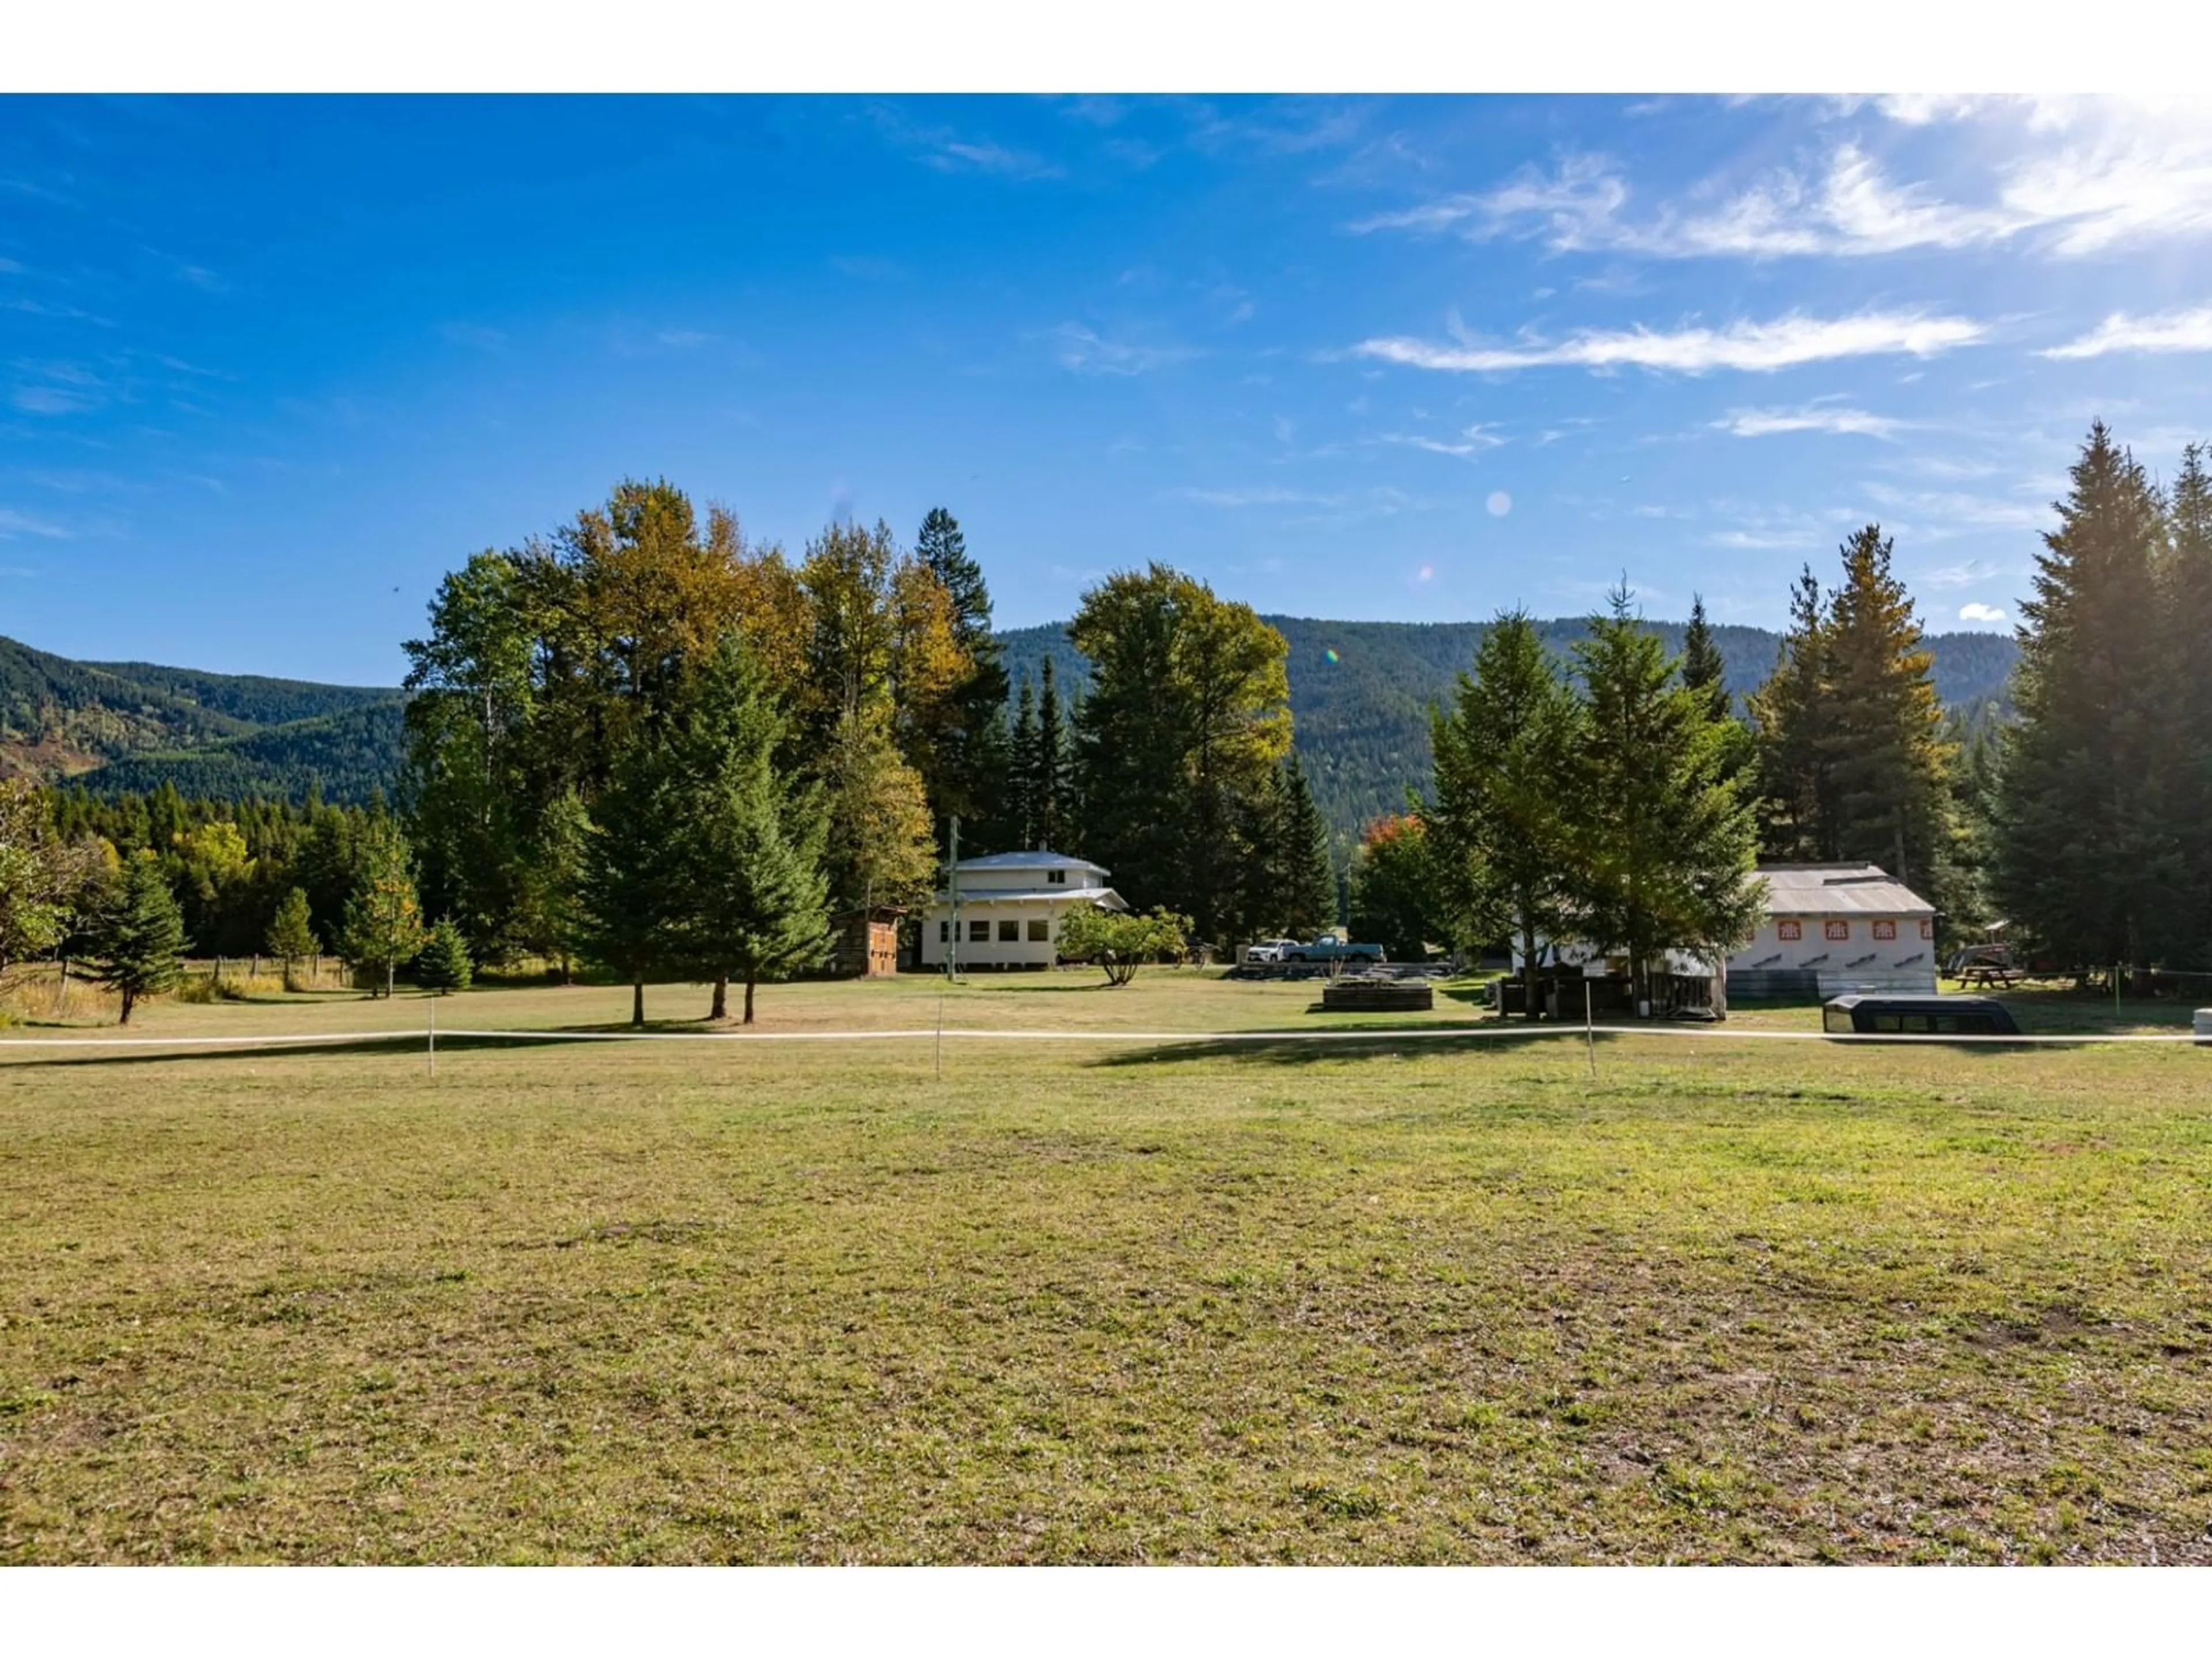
x=1359, y=697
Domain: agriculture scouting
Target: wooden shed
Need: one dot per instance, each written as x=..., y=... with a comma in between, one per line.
x=867, y=944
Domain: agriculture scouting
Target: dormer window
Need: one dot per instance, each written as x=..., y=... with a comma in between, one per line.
x=1056, y=878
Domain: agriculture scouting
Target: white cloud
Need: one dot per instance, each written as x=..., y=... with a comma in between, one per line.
x=1752, y=347
x=2171, y=331
x=1765, y=423
x=1470, y=440
x=2077, y=177
x=1498, y=503
x=1979, y=613
x=1087, y=352
x=1763, y=540
x=52, y=400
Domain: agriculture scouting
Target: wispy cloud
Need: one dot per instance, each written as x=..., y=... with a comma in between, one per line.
x=1954, y=510
x=53, y=400
x=1470, y=440
x=1763, y=540
x=2083, y=177
x=60, y=313
x=1784, y=342
x=14, y=524
x=2171, y=331
x=1828, y=418
x=950, y=151
x=1085, y=351
x=10, y=268
x=1263, y=496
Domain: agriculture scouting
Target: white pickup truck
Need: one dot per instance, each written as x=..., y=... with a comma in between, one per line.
x=1269, y=949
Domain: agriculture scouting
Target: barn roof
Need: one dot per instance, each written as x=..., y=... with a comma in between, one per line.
x=971, y=897
x=1813, y=889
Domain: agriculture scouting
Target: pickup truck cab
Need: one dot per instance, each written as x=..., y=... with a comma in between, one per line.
x=1333, y=950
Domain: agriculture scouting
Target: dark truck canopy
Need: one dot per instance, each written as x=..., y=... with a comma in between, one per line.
x=1937, y=1016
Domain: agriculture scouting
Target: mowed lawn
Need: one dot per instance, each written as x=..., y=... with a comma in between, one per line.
x=1401, y=1301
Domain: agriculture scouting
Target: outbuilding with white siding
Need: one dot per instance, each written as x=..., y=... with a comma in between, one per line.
x=1834, y=928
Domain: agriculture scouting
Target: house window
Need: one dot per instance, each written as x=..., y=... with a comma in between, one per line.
x=1837, y=931
x=1040, y=931
x=1789, y=932
x=1056, y=878
x=943, y=932
x=1010, y=932
x=1927, y=928
x=979, y=932
x=1885, y=930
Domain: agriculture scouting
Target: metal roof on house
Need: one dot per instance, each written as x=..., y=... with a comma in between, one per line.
x=1041, y=858
x=1814, y=889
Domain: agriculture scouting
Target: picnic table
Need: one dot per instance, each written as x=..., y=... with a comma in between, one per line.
x=1986, y=974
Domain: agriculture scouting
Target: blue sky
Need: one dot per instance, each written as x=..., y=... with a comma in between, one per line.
x=268, y=368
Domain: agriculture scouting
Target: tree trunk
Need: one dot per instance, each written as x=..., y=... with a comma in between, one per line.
x=391, y=972
x=722, y=1008
x=129, y=997
x=1528, y=969
x=749, y=997
x=637, y=1002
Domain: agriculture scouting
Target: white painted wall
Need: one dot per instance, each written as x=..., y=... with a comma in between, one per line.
x=1859, y=959
x=995, y=952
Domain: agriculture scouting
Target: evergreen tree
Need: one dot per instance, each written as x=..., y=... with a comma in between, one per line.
x=1501, y=833
x=139, y=935
x=552, y=908
x=291, y=934
x=1186, y=719
x=1022, y=771
x=1051, y=817
x=2087, y=863
x=631, y=897
x=1664, y=850
x=1789, y=713
x=977, y=761
x=443, y=963
x=1703, y=667
x=2187, y=608
x=1308, y=877
x=752, y=898
x=1882, y=748
x=384, y=918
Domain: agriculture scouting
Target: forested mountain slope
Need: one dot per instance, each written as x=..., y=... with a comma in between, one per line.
x=214, y=734
x=1360, y=694
x=1361, y=691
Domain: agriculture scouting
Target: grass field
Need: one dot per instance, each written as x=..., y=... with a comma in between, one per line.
x=1399, y=1301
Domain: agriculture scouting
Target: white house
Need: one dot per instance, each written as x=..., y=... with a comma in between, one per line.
x=1831, y=928
x=1011, y=905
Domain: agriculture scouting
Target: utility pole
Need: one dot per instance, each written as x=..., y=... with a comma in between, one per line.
x=952, y=890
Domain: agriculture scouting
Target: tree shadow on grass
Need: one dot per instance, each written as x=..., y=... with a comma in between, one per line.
x=1369, y=1042
x=96, y=1054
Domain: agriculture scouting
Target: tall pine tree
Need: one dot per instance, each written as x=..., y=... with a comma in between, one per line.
x=1021, y=769
x=1500, y=832
x=2086, y=861
x=975, y=761
x=749, y=899
x=1665, y=846
x=1885, y=756
x=1052, y=818
x=2187, y=608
